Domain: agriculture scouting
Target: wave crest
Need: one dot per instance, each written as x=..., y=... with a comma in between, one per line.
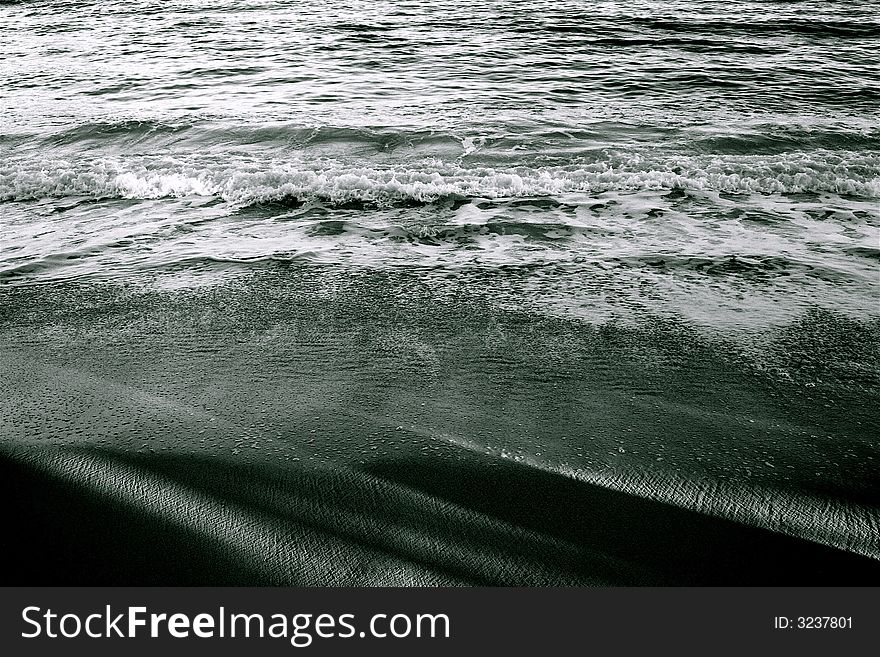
x=248, y=181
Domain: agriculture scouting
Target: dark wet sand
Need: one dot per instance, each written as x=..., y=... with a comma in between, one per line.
x=58, y=533
x=294, y=427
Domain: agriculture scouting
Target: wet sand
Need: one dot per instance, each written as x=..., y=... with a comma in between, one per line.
x=300, y=426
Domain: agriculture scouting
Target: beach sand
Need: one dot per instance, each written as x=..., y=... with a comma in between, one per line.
x=325, y=427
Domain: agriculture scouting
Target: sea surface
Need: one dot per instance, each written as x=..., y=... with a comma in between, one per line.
x=632, y=244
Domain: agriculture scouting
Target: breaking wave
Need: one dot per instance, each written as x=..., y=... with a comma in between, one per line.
x=247, y=181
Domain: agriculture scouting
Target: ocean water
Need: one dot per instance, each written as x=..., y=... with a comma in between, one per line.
x=634, y=244
x=723, y=145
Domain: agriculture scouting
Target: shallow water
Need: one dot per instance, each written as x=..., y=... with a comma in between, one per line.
x=316, y=426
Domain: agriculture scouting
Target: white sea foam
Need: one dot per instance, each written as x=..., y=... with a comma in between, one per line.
x=246, y=181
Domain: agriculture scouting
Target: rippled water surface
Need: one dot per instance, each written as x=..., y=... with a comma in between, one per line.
x=727, y=150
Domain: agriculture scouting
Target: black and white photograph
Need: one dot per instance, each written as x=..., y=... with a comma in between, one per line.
x=461, y=293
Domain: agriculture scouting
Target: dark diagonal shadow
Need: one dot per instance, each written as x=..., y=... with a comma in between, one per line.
x=58, y=533
x=462, y=518
x=678, y=546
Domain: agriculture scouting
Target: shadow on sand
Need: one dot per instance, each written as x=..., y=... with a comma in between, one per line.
x=467, y=519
